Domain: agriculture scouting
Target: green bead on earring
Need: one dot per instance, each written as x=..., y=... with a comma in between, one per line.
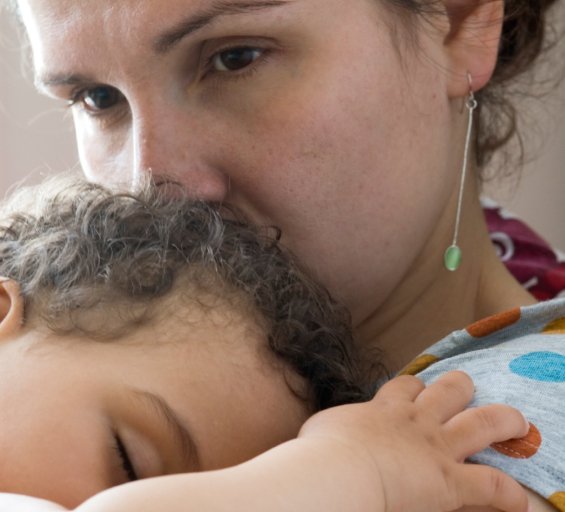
x=452, y=258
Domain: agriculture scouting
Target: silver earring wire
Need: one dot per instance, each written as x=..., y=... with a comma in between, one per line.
x=453, y=255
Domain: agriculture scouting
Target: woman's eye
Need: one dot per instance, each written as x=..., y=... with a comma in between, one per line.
x=235, y=59
x=97, y=99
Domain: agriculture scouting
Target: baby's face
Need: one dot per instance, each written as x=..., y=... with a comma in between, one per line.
x=174, y=398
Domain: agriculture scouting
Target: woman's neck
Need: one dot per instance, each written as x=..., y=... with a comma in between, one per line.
x=432, y=302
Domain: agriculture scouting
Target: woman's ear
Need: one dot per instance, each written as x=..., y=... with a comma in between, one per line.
x=11, y=307
x=472, y=42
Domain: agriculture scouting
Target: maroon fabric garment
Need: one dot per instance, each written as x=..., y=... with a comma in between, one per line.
x=530, y=259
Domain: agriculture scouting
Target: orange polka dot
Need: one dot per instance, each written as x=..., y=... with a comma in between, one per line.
x=419, y=364
x=522, y=448
x=558, y=500
x=555, y=327
x=494, y=323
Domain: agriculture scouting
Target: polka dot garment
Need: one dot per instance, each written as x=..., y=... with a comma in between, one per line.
x=516, y=358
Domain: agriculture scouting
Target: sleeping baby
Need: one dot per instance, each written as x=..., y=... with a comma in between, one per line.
x=158, y=353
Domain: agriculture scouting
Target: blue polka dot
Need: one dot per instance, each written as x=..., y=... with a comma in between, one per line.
x=540, y=366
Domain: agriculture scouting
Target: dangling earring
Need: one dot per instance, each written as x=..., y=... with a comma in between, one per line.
x=452, y=257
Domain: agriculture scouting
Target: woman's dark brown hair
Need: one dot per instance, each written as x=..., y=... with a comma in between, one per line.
x=76, y=247
x=524, y=39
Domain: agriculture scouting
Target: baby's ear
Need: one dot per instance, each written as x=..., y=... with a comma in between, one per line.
x=11, y=307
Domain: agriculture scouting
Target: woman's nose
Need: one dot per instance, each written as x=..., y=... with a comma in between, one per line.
x=164, y=152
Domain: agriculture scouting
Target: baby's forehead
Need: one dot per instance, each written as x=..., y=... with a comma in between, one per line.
x=216, y=308
x=204, y=310
x=183, y=324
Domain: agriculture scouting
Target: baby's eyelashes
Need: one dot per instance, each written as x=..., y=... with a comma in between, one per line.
x=170, y=433
x=149, y=438
x=124, y=459
x=138, y=448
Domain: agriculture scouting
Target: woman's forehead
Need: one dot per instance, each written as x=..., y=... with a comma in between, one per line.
x=76, y=26
x=143, y=16
x=71, y=35
x=44, y=12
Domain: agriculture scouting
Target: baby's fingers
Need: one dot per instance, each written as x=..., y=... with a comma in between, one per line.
x=475, y=429
x=485, y=486
x=447, y=396
x=403, y=388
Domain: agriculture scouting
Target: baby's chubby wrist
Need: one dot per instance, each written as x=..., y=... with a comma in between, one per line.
x=342, y=437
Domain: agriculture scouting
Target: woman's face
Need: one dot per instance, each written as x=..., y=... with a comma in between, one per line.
x=307, y=114
x=174, y=398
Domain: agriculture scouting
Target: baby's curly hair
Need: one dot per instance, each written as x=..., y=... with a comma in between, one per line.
x=75, y=247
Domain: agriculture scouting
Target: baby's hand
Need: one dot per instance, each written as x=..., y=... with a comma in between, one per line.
x=415, y=440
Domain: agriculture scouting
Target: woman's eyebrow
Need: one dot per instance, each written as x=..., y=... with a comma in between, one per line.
x=196, y=21
x=46, y=81
x=168, y=39
x=176, y=427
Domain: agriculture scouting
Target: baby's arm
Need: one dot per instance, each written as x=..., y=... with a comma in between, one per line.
x=403, y=450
